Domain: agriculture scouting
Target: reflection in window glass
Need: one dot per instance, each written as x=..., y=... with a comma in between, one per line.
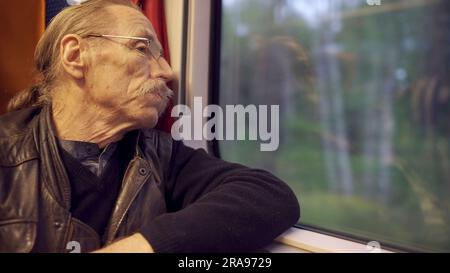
x=364, y=95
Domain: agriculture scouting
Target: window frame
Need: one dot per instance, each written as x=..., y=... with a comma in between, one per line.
x=201, y=77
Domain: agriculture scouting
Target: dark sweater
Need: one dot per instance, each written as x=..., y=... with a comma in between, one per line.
x=216, y=206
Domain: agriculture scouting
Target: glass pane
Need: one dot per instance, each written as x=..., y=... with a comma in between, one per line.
x=364, y=95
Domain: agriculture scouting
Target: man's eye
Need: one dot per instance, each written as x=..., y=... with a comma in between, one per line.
x=142, y=49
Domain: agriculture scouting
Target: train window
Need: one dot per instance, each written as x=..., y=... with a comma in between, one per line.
x=364, y=109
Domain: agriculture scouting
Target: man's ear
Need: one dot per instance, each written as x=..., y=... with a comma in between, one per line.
x=71, y=58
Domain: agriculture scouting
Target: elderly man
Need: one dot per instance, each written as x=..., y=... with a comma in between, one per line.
x=80, y=164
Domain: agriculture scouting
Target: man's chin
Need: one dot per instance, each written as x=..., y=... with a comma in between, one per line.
x=148, y=120
x=158, y=102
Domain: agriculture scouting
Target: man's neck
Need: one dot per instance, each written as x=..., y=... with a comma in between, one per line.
x=77, y=119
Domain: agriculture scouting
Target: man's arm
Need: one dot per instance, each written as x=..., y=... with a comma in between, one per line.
x=216, y=206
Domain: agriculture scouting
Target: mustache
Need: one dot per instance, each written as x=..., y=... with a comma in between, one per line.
x=157, y=86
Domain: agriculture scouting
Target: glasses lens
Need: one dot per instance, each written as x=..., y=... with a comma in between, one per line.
x=155, y=49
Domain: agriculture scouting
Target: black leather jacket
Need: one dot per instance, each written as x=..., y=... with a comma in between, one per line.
x=35, y=191
x=35, y=196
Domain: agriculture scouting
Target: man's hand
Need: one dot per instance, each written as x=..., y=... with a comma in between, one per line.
x=133, y=244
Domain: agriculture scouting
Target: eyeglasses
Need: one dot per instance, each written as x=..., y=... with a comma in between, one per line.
x=151, y=48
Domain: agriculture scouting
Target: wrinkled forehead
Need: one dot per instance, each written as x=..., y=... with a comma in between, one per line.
x=130, y=22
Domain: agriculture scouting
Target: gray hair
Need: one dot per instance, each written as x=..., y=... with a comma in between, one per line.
x=82, y=19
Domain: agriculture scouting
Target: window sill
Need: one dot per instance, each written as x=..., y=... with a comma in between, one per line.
x=296, y=240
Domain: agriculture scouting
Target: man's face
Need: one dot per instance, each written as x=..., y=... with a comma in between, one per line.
x=121, y=79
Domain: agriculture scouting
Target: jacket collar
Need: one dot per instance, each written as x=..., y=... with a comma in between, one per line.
x=52, y=167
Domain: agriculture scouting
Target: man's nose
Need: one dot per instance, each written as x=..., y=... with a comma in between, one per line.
x=161, y=69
